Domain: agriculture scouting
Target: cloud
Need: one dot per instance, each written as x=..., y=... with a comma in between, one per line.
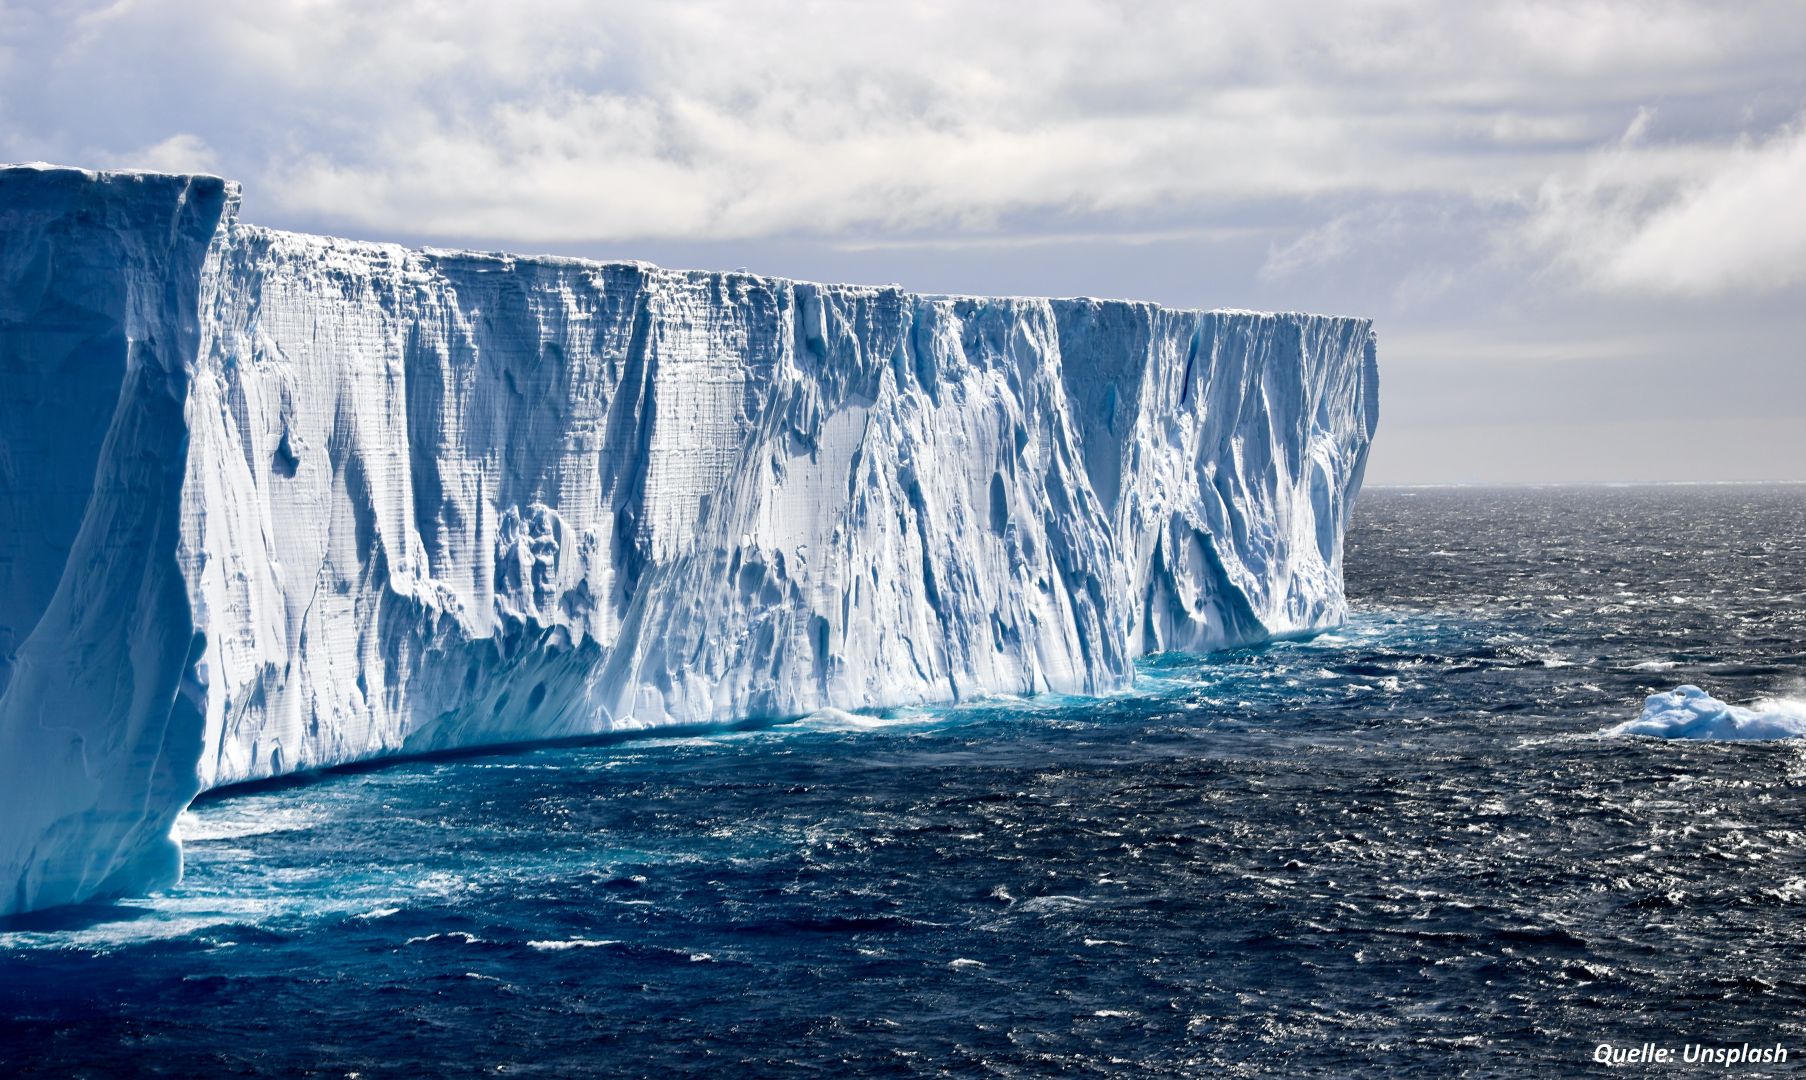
x=1335, y=240
x=182, y=153
x=1742, y=225
x=560, y=120
x=1677, y=219
x=1330, y=129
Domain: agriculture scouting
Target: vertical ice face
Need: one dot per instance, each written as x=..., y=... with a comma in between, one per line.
x=100, y=705
x=342, y=500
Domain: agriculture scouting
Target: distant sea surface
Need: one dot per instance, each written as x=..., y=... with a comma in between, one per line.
x=1399, y=846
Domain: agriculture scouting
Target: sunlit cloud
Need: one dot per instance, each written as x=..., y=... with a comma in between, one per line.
x=555, y=120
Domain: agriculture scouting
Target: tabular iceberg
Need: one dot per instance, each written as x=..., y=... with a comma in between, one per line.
x=272, y=502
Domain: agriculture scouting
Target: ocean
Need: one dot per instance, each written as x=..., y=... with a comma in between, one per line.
x=1402, y=845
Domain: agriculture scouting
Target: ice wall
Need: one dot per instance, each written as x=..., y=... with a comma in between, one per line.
x=101, y=696
x=310, y=501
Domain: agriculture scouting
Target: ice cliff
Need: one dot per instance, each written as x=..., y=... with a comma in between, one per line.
x=272, y=502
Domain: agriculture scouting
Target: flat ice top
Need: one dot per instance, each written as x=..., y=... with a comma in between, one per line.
x=512, y=259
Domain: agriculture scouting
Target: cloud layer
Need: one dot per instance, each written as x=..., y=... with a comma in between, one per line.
x=559, y=121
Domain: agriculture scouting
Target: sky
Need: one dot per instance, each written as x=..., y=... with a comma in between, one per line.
x=1579, y=228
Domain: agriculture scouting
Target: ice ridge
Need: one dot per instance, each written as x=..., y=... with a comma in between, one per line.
x=274, y=502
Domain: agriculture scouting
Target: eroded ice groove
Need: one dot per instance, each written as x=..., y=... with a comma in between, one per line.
x=384, y=501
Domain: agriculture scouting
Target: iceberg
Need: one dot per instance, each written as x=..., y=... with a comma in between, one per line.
x=1687, y=712
x=272, y=502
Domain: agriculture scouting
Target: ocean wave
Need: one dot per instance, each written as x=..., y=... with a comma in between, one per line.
x=572, y=943
x=240, y=819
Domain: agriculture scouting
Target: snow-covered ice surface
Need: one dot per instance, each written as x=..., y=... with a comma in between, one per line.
x=276, y=502
x=1687, y=712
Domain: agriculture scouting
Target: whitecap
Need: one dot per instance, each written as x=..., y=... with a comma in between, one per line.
x=452, y=935
x=573, y=943
x=1055, y=903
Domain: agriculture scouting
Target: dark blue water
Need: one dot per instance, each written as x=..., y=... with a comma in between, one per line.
x=1401, y=845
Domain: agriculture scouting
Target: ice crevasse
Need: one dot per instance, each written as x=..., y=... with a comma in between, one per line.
x=273, y=502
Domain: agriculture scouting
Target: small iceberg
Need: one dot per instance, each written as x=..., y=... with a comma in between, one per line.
x=1687, y=712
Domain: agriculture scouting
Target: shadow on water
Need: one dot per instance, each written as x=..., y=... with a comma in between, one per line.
x=1156, y=665
x=72, y=917
x=519, y=748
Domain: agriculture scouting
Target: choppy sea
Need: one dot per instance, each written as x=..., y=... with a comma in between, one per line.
x=1403, y=845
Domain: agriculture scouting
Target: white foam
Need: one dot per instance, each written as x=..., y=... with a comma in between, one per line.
x=1687, y=712
x=841, y=720
x=238, y=819
x=107, y=936
x=573, y=943
x=451, y=935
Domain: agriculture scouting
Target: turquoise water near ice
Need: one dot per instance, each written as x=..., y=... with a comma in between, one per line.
x=1402, y=844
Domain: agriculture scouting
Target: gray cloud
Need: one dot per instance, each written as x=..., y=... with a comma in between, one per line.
x=615, y=121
